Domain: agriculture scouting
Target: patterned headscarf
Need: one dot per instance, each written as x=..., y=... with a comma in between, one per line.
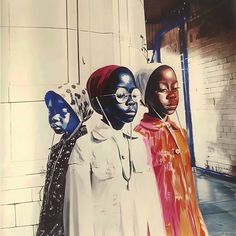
x=142, y=77
x=77, y=98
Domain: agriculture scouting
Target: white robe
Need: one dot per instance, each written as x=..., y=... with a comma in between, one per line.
x=97, y=202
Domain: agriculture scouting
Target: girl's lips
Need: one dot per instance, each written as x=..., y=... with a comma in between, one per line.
x=54, y=126
x=130, y=113
x=172, y=106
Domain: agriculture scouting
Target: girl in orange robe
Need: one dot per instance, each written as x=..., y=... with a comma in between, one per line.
x=169, y=153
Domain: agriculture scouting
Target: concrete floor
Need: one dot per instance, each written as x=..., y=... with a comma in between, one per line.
x=217, y=201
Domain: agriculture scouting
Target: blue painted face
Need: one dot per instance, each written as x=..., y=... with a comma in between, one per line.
x=62, y=118
x=120, y=98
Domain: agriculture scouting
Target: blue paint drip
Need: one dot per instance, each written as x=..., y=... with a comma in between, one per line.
x=185, y=75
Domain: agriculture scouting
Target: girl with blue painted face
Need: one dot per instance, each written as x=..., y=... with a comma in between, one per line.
x=62, y=118
x=122, y=184
x=68, y=110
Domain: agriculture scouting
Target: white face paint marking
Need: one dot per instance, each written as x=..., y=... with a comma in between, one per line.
x=126, y=78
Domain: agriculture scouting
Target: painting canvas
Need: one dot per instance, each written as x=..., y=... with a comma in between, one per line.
x=51, y=49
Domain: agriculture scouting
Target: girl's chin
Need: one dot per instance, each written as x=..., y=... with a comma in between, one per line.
x=58, y=130
x=170, y=112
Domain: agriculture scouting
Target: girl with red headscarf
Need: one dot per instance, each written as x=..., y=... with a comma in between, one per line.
x=113, y=180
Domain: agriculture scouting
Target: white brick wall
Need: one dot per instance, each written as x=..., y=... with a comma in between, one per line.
x=24, y=231
x=8, y=218
x=27, y=213
x=215, y=57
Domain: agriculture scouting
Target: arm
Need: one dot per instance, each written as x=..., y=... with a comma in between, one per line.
x=78, y=194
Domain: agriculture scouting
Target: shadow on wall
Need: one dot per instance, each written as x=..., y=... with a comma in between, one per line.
x=222, y=153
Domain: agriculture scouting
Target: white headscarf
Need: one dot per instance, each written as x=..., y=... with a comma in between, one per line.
x=142, y=76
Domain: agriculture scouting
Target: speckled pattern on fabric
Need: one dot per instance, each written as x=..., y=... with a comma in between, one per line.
x=51, y=216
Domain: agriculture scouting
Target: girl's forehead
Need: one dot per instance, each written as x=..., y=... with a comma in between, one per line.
x=124, y=80
x=167, y=76
x=57, y=103
x=168, y=73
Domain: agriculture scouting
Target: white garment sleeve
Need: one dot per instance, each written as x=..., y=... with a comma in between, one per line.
x=78, y=215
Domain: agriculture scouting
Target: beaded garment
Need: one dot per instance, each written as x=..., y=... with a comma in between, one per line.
x=51, y=216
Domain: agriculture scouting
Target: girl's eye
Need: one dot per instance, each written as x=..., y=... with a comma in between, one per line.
x=121, y=95
x=164, y=90
x=175, y=89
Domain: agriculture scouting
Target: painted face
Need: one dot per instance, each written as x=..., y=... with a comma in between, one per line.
x=165, y=98
x=120, y=98
x=62, y=119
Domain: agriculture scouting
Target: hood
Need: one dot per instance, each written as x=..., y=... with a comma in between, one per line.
x=142, y=76
x=77, y=98
x=98, y=81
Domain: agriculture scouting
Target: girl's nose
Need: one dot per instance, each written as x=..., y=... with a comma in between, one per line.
x=130, y=101
x=172, y=94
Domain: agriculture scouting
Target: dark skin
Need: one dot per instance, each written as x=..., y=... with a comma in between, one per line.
x=118, y=113
x=62, y=118
x=162, y=95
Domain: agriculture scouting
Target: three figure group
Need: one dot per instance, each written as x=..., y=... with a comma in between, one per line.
x=114, y=181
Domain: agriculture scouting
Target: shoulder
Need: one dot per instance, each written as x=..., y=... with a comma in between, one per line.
x=142, y=131
x=82, y=150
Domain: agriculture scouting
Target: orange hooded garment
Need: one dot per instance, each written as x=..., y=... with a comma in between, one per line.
x=170, y=159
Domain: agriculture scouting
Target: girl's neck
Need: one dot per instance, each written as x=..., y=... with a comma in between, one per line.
x=114, y=125
x=157, y=115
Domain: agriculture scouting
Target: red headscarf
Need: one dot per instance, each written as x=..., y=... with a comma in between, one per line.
x=97, y=81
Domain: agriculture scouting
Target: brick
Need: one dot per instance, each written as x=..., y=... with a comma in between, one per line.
x=227, y=111
x=223, y=140
x=230, y=58
x=217, y=89
x=232, y=81
x=233, y=129
x=229, y=117
x=227, y=65
x=219, y=129
x=233, y=157
x=218, y=84
x=233, y=76
x=27, y=213
x=15, y=196
x=223, y=135
x=7, y=218
x=35, y=229
x=231, y=152
x=212, y=68
x=37, y=194
x=230, y=135
x=233, y=87
x=20, y=231
x=11, y=183
x=23, y=168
